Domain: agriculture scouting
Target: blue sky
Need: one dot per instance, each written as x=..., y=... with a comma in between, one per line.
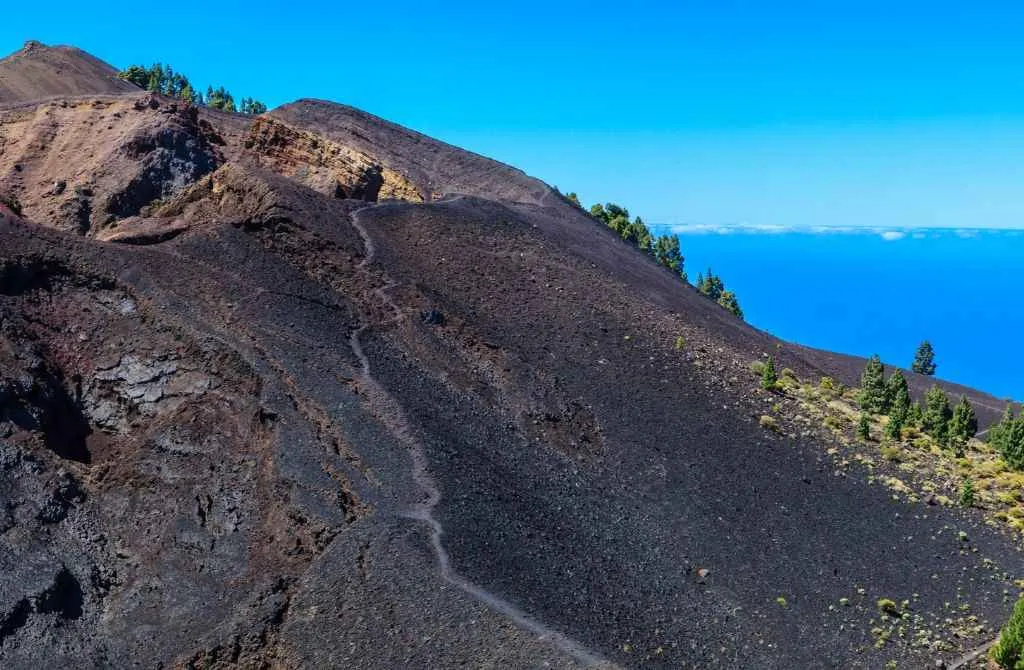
x=716, y=113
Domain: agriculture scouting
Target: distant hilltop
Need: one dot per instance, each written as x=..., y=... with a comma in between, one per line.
x=40, y=71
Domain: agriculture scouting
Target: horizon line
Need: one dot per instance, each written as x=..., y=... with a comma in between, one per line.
x=891, y=233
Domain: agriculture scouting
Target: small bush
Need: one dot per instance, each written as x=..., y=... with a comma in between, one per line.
x=863, y=428
x=757, y=367
x=835, y=422
x=769, y=380
x=680, y=343
x=967, y=493
x=12, y=203
x=888, y=607
x=1008, y=651
x=894, y=429
x=769, y=422
x=892, y=453
x=828, y=384
x=789, y=374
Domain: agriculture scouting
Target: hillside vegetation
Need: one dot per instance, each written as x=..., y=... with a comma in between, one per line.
x=665, y=249
x=926, y=453
x=160, y=78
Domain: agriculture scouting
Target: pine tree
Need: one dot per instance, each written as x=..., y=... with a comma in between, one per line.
x=914, y=416
x=937, y=414
x=710, y=286
x=136, y=74
x=728, y=301
x=957, y=443
x=768, y=377
x=964, y=423
x=219, y=98
x=615, y=217
x=893, y=429
x=863, y=427
x=872, y=387
x=252, y=106
x=924, y=359
x=637, y=234
x=155, y=83
x=1009, y=650
x=897, y=397
x=1007, y=436
x=999, y=433
x=666, y=252
x=962, y=426
x=1014, y=454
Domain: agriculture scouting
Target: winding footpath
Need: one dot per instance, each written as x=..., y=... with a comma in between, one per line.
x=391, y=414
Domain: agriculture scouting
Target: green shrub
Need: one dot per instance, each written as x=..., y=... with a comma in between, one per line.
x=873, y=397
x=888, y=607
x=937, y=414
x=892, y=453
x=893, y=429
x=769, y=422
x=1007, y=652
x=769, y=380
x=680, y=343
x=1007, y=437
x=835, y=422
x=924, y=359
x=863, y=427
x=12, y=203
x=757, y=367
x=967, y=493
x=729, y=302
x=162, y=79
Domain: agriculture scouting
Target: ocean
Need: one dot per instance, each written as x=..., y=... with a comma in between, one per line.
x=861, y=292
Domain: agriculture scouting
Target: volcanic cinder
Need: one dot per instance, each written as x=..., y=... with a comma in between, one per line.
x=309, y=389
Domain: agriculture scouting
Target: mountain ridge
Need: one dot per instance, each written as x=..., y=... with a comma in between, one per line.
x=323, y=369
x=39, y=71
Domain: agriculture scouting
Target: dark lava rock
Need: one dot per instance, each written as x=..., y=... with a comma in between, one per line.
x=433, y=317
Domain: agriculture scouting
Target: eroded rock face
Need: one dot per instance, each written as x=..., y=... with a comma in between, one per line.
x=129, y=457
x=326, y=166
x=112, y=158
x=143, y=387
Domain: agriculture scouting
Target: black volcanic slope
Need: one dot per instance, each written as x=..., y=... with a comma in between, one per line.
x=234, y=440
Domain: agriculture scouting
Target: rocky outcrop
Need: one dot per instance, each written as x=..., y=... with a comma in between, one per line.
x=82, y=165
x=326, y=166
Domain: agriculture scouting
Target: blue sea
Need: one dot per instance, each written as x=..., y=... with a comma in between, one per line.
x=860, y=291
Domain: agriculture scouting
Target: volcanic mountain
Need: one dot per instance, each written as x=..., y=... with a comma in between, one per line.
x=308, y=389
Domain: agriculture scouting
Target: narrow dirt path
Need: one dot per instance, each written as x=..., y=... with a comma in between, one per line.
x=390, y=413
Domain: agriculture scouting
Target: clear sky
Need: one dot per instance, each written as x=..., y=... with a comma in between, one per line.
x=888, y=114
